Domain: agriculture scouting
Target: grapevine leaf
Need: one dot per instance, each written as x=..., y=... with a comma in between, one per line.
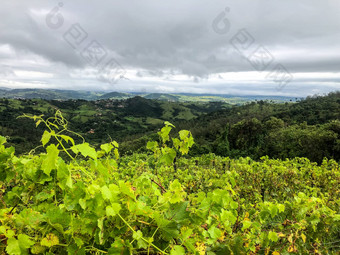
x=2, y=140
x=106, y=193
x=179, y=211
x=85, y=149
x=214, y=233
x=281, y=207
x=67, y=139
x=13, y=247
x=168, y=156
x=167, y=123
x=164, y=133
x=45, y=137
x=24, y=241
x=273, y=236
x=170, y=231
x=233, y=205
x=107, y=147
x=183, y=134
x=152, y=145
x=38, y=249
x=228, y=217
x=137, y=235
x=50, y=161
x=246, y=225
x=50, y=240
x=113, y=209
x=177, y=250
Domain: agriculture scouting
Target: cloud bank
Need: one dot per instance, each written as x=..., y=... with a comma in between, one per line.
x=174, y=46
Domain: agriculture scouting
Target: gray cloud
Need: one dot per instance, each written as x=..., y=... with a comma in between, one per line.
x=157, y=41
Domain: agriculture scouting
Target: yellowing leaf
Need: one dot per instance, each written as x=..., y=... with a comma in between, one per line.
x=290, y=238
x=292, y=248
x=276, y=253
x=303, y=238
x=50, y=240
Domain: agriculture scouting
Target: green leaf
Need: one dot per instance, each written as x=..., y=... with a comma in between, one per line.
x=13, y=247
x=2, y=140
x=281, y=208
x=114, y=143
x=179, y=211
x=168, y=156
x=164, y=133
x=246, y=225
x=67, y=139
x=82, y=203
x=273, y=210
x=175, y=194
x=169, y=231
x=38, y=249
x=106, y=193
x=186, y=233
x=137, y=235
x=273, y=236
x=50, y=160
x=113, y=209
x=64, y=175
x=152, y=146
x=37, y=123
x=45, y=137
x=107, y=147
x=233, y=205
x=167, y=123
x=214, y=233
x=24, y=241
x=177, y=250
x=85, y=149
x=228, y=217
x=183, y=134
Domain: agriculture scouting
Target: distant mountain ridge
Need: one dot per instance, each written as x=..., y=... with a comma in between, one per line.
x=55, y=94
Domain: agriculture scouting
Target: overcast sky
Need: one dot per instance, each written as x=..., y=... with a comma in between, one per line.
x=249, y=47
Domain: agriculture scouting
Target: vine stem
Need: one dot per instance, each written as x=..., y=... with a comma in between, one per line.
x=145, y=240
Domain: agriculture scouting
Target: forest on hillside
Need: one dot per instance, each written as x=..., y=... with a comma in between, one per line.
x=307, y=128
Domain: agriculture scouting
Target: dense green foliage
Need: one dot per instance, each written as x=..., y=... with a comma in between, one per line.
x=309, y=128
x=74, y=199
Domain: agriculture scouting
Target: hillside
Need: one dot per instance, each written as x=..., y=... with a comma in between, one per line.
x=97, y=121
x=53, y=94
x=48, y=94
x=308, y=128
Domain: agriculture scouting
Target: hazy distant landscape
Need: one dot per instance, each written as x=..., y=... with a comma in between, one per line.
x=91, y=95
